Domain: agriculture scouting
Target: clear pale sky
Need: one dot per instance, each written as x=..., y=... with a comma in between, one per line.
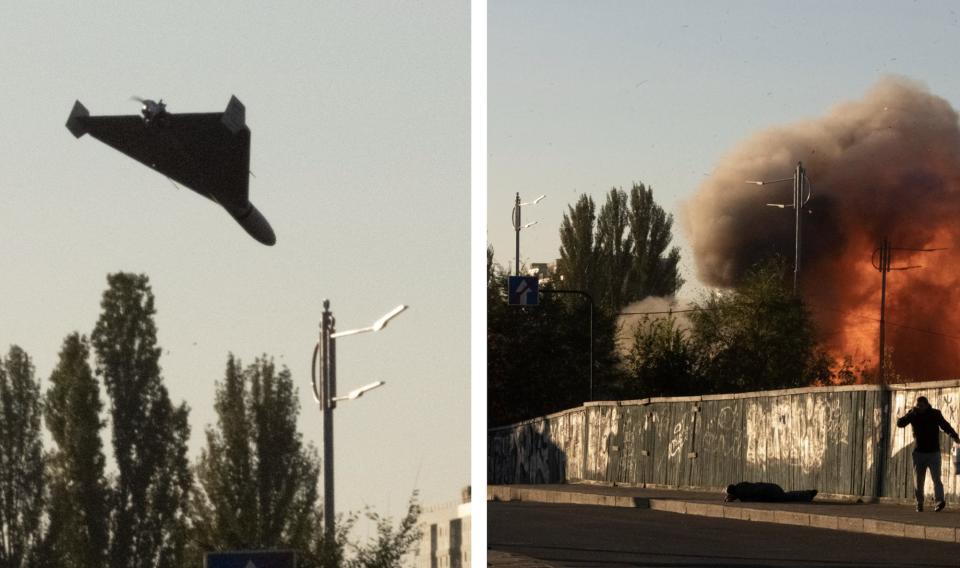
x=584, y=96
x=359, y=113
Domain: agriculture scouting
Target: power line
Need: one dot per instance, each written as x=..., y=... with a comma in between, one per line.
x=812, y=307
x=895, y=324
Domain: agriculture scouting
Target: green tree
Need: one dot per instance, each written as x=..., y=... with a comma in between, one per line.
x=615, y=248
x=538, y=357
x=391, y=545
x=621, y=255
x=577, y=266
x=77, y=535
x=257, y=481
x=654, y=269
x=151, y=491
x=21, y=462
x=661, y=360
x=759, y=336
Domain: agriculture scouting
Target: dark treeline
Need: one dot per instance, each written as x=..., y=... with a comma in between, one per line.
x=756, y=336
x=253, y=487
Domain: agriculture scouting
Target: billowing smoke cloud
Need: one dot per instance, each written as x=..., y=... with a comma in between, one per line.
x=650, y=308
x=885, y=165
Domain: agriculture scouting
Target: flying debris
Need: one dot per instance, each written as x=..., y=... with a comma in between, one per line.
x=206, y=152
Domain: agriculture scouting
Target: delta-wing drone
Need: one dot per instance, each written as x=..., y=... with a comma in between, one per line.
x=208, y=153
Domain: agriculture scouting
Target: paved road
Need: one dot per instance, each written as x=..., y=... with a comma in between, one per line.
x=583, y=535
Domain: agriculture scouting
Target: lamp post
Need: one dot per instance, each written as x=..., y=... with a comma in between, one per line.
x=800, y=183
x=517, y=226
x=324, y=385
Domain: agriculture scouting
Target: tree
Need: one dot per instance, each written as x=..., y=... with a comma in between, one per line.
x=577, y=266
x=77, y=535
x=150, y=495
x=257, y=481
x=661, y=360
x=654, y=269
x=21, y=462
x=538, y=356
x=621, y=255
x=759, y=336
x=391, y=544
x=615, y=248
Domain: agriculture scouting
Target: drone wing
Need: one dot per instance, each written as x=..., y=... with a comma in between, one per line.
x=206, y=152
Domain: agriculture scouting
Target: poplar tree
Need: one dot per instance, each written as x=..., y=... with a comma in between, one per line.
x=655, y=269
x=151, y=490
x=257, y=480
x=621, y=255
x=615, y=246
x=77, y=535
x=577, y=265
x=21, y=462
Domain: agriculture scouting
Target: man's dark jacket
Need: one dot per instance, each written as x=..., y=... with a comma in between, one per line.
x=926, y=428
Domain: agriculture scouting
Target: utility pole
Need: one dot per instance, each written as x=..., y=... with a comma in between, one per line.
x=884, y=268
x=799, y=179
x=881, y=261
x=517, y=226
x=328, y=390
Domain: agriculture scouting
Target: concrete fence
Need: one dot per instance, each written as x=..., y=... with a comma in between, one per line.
x=839, y=440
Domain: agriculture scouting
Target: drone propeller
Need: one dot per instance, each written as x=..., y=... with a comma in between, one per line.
x=140, y=100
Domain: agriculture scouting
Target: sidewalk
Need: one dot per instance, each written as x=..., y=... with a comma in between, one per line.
x=873, y=518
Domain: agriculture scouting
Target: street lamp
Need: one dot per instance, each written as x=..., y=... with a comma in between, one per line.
x=357, y=393
x=325, y=394
x=517, y=224
x=377, y=325
x=800, y=183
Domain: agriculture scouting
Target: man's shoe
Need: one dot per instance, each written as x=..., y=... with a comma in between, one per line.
x=939, y=506
x=919, y=507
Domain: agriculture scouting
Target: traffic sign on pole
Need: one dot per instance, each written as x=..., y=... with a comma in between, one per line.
x=251, y=559
x=523, y=290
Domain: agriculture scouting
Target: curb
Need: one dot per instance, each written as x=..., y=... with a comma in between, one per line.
x=830, y=522
x=507, y=493
x=511, y=560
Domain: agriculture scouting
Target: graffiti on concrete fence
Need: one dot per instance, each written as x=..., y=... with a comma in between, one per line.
x=722, y=432
x=794, y=431
x=543, y=450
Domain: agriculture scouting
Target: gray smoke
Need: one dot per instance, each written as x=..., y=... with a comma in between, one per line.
x=634, y=314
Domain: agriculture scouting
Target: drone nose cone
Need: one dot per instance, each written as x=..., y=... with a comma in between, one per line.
x=256, y=225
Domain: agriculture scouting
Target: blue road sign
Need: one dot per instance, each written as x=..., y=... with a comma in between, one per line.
x=251, y=559
x=523, y=290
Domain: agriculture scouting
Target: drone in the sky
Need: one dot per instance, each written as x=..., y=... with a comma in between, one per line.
x=208, y=153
